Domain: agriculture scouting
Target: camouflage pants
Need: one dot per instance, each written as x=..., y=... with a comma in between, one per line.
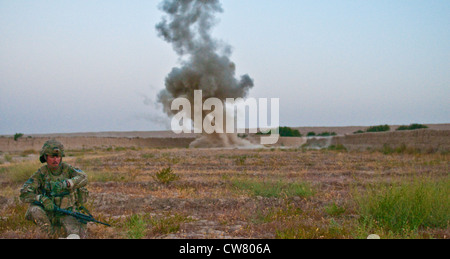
x=52, y=225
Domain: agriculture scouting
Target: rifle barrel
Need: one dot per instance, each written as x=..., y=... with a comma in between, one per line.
x=80, y=216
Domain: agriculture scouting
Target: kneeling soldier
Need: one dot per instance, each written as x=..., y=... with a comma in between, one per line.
x=55, y=184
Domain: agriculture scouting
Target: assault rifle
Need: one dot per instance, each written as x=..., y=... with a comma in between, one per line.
x=83, y=218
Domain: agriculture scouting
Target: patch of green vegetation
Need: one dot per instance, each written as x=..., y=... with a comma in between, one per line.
x=19, y=172
x=167, y=225
x=118, y=149
x=289, y=132
x=284, y=132
x=273, y=188
x=13, y=218
x=301, y=230
x=380, y=128
x=404, y=208
x=136, y=227
x=141, y=226
x=338, y=147
x=17, y=136
x=165, y=176
x=334, y=210
x=412, y=127
x=148, y=155
x=358, y=132
x=276, y=214
x=402, y=149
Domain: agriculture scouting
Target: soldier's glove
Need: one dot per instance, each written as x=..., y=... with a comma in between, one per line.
x=47, y=203
x=59, y=187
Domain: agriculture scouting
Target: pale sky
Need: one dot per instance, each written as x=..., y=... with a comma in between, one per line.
x=83, y=66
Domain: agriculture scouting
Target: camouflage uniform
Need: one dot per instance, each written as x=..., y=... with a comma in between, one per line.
x=46, y=184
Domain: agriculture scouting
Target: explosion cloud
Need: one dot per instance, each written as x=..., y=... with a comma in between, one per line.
x=205, y=62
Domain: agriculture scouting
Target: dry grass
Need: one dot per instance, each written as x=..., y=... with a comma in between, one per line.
x=265, y=193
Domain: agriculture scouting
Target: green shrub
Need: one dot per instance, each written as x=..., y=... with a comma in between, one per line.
x=288, y=132
x=285, y=132
x=412, y=127
x=136, y=227
x=165, y=176
x=379, y=128
x=17, y=136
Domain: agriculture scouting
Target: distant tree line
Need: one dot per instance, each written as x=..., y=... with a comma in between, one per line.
x=382, y=128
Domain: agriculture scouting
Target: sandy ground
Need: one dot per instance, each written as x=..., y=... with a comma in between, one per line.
x=214, y=198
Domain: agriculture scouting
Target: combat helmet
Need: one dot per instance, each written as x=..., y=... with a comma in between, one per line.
x=51, y=147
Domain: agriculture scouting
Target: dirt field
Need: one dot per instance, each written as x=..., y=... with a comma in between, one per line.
x=260, y=193
x=150, y=185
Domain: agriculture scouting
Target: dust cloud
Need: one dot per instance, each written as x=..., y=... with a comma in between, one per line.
x=204, y=63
